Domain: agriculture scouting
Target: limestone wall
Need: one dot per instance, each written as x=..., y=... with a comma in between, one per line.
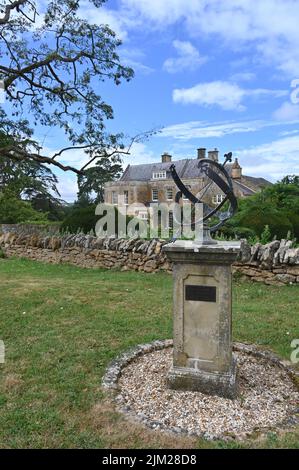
x=88, y=251
x=29, y=229
x=275, y=263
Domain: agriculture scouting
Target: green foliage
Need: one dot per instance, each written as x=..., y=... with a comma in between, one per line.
x=27, y=179
x=14, y=210
x=231, y=231
x=2, y=254
x=91, y=183
x=56, y=209
x=33, y=182
x=290, y=179
x=273, y=212
x=80, y=218
x=253, y=239
x=265, y=235
x=53, y=63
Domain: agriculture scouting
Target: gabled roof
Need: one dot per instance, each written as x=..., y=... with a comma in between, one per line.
x=188, y=169
x=245, y=189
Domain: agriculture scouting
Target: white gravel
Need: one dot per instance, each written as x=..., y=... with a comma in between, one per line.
x=267, y=397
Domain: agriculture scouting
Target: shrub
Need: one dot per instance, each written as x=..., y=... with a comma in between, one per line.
x=84, y=219
x=80, y=219
x=14, y=211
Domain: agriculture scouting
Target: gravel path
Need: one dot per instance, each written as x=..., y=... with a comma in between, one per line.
x=267, y=397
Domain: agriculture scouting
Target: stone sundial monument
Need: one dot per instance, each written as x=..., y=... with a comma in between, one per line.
x=202, y=293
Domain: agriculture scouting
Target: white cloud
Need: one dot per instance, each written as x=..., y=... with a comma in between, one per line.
x=188, y=58
x=138, y=66
x=287, y=112
x=159, y=13
x=67, y=181
x=133, y=57
x=198, y=130
x=243, y=77
x=223, y=94
x=285, y=133
x=271, y=160
x=140, y=153
x=226, y=95
x=76, y=158
x=73, y=157
x=271, y=26
x=117, y=22
x=67, y=186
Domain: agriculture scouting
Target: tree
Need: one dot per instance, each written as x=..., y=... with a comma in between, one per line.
x=34, y=182
x=276, y=206
x=13, y=210
x=290, y=179
x=27, y=179
x=53, y=67
x=91, y=183
x=80, y=218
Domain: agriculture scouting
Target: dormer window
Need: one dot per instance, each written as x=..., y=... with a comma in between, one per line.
x=218, y=198
x=159, y=175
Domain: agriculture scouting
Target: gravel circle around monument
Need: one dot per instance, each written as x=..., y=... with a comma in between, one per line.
x=267, y=398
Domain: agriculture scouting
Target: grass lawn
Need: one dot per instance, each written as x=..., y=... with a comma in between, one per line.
x=62, y=325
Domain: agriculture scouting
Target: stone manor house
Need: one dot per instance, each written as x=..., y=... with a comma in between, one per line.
x=152, y=183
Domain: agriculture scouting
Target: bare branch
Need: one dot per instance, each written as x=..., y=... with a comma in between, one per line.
x=19, y=154
x=58, y=154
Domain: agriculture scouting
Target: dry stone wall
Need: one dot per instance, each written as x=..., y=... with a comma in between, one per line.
x=30, y=229
x=276, y=263
x=88, y=251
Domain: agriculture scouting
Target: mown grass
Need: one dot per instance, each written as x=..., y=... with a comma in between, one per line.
x=62, y=325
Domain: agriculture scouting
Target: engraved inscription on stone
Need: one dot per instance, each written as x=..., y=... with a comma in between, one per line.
x=200, y=293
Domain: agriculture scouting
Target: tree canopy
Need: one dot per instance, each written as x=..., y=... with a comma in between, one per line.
x=52, y=62
x=276, y=206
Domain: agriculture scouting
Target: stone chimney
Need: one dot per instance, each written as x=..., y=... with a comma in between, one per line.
x=213, y=155
x=236, y=170
x=201, y=153
x=166, y=157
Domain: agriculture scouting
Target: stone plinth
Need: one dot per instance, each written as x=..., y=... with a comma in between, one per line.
x=202, y=311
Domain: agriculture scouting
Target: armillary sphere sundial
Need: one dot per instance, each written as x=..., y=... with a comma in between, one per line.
x=218, y=175
x=202, y=299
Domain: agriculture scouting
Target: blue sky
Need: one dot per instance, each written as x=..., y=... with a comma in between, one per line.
x=210, y=73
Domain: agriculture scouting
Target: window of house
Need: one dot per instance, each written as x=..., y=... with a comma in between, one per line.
x=155, y=196
x=170, y=219
x=114, y=197
x=126, y=197
x=169, y=194
x=158, y=175
x=218, y=198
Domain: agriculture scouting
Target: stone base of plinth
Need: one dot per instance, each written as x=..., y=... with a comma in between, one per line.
x=211, y=383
